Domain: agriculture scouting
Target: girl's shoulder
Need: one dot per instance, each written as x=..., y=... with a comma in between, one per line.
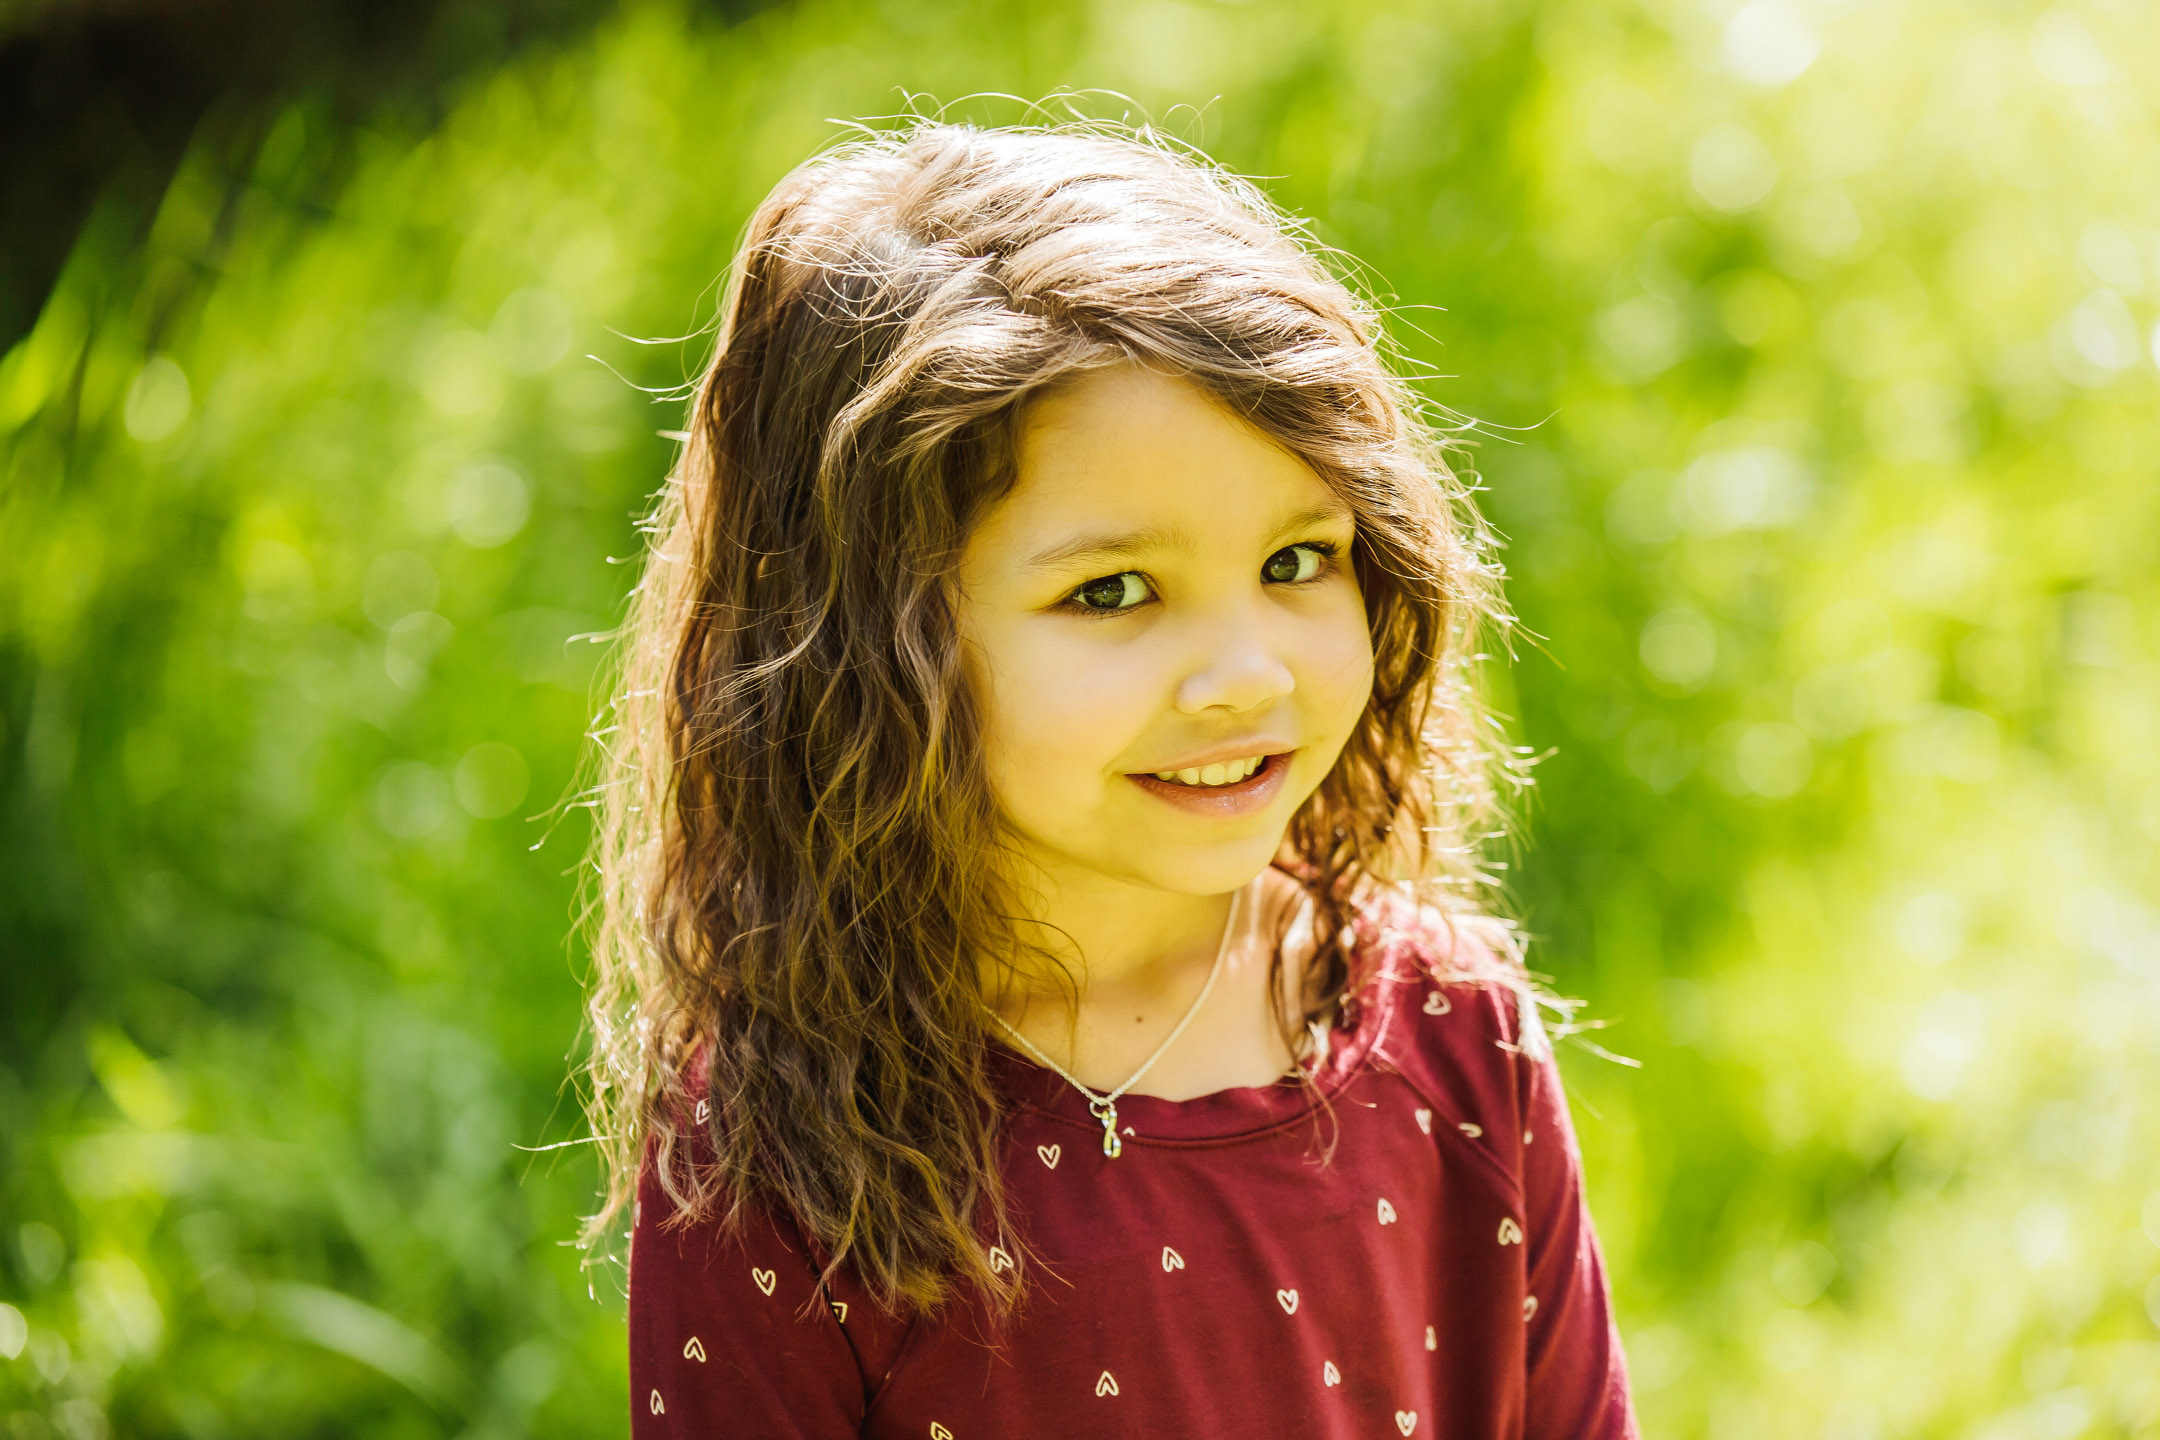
x=1461, y=1008
x=1452, y=946
x=1455, y=1015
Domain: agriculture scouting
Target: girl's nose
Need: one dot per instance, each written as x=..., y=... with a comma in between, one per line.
x=1240, y=672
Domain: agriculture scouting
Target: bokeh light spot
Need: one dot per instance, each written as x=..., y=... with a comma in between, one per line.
x=1679, y=647
x=488, y=505
x=158, y=401
x=1731, y=169
x=1769, y=42
x=490, y=780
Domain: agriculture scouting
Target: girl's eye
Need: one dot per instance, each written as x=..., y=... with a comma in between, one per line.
x=1112, y=592
x=1294, y=563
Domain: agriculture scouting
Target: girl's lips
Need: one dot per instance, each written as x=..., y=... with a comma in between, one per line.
x=1245, y=797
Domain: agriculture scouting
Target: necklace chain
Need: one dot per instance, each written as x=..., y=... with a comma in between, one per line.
x=1103, y=1105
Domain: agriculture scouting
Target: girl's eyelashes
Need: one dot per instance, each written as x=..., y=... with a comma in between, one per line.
x=1295, y=564
x=1128, y=589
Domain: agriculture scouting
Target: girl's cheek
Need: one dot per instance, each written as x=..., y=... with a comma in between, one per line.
x=1080, y=704
x=1340, y=663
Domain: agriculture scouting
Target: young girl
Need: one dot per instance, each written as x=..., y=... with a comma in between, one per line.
x=1042, y=990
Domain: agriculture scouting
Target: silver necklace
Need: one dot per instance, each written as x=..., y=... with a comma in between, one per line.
x=1104, y=1106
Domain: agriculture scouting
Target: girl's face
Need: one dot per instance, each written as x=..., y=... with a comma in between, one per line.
x=1165, y=633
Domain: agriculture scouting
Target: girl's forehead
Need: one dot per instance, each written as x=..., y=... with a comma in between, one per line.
x=1154, y=449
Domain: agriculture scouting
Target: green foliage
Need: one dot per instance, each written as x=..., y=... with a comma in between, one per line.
x=1814, y=349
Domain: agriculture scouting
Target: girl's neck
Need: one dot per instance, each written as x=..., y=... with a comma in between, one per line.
x=1137, y=968
x=1120, y=943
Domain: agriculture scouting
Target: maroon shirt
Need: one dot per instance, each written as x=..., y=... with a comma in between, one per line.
x=1436, y=1278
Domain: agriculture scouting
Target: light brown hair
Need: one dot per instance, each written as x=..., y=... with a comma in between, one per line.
x=796, y=854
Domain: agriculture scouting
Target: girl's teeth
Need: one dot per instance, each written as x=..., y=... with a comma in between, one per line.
x=1229, y=773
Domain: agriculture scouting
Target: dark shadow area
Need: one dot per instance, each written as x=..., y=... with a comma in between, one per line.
x=101, y=99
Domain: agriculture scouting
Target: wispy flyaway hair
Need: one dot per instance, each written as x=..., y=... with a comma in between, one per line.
x=798, y=859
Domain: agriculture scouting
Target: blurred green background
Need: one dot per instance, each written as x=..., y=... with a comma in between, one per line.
x=1815, y=345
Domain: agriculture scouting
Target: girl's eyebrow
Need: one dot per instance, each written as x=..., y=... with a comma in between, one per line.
x=1318, y=515
x=1110, y=545
x=1153, y=539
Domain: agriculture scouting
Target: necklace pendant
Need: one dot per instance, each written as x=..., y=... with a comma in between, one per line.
x=1112, y=1145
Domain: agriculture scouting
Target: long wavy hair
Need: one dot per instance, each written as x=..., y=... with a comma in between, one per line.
x=796, y=865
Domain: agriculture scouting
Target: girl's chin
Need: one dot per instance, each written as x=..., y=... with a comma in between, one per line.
x=1215, y=870
x=1177, y=865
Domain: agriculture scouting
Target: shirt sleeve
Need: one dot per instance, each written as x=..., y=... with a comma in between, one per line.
x=1577, y=1386
x=730, y=1334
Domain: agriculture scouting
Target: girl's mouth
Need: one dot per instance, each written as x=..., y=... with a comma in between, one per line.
x=1228, y=788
